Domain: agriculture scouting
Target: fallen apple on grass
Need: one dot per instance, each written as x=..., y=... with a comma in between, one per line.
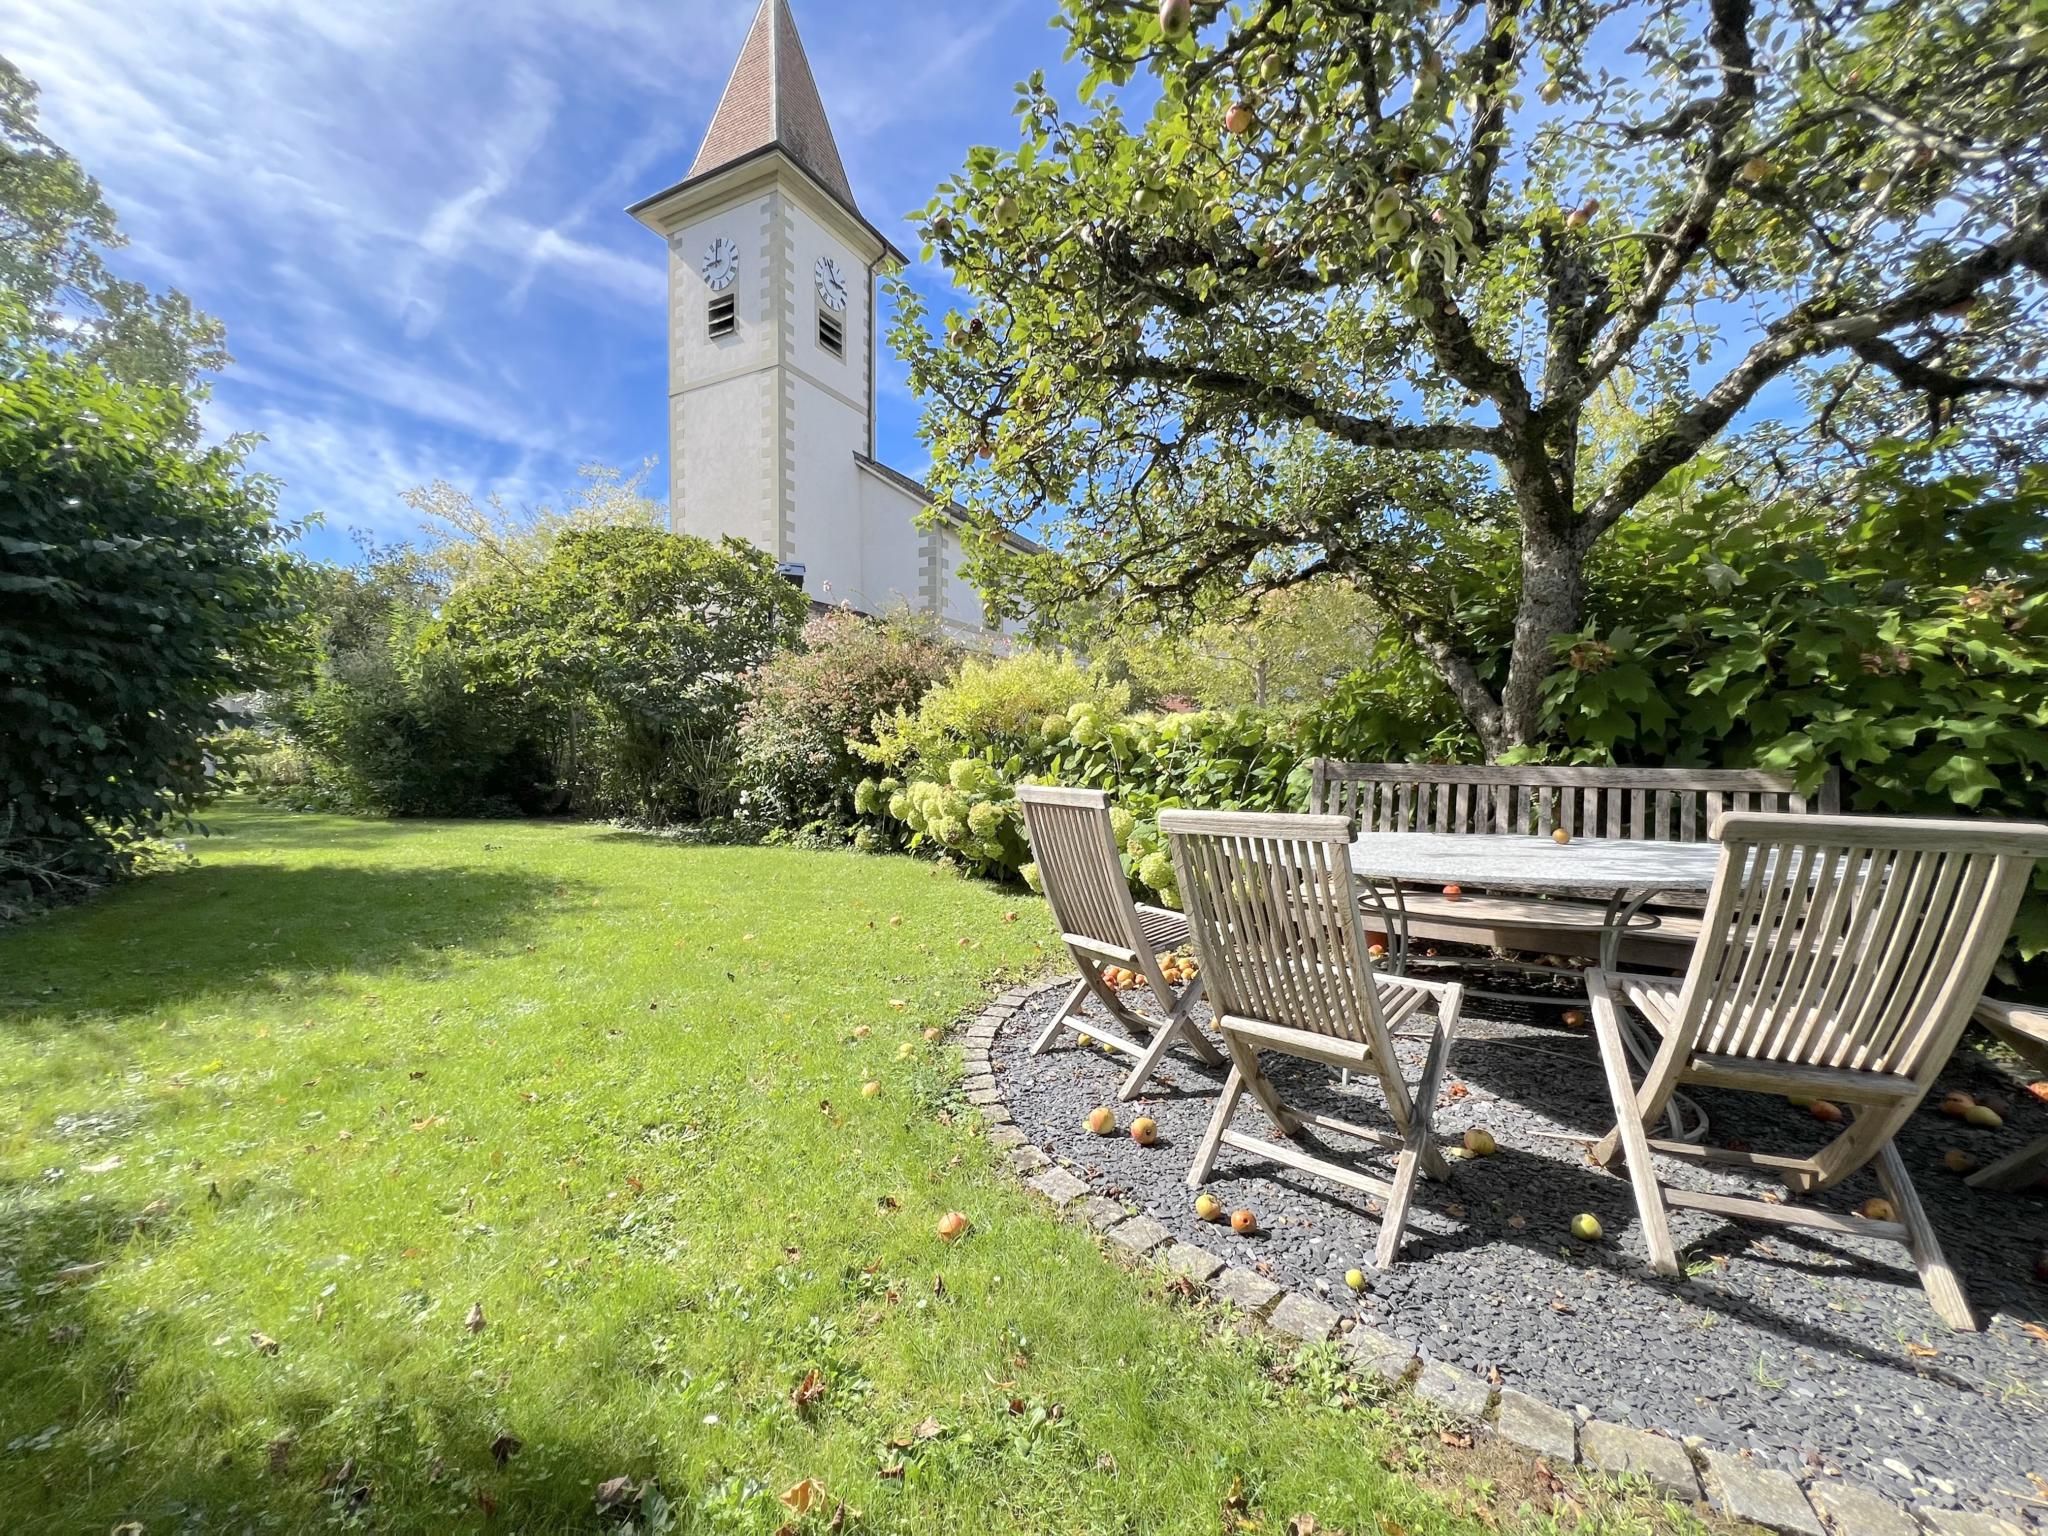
x=905, y=1051
x=870, y=1088
x=953, y=1225
x=934, y=1035
x=1145, y=1131
x=1101, y=1121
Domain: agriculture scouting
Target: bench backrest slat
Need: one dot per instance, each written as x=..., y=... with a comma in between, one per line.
x=1658, y=804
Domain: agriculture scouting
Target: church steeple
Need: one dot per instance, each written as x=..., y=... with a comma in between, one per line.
x=772, y=99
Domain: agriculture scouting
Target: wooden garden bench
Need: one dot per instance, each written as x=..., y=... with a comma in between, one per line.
x=1657, y=804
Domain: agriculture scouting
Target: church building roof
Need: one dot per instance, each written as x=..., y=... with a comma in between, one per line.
x=772, y=99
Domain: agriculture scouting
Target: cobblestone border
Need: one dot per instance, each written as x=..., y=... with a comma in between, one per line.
x=1682, y=1469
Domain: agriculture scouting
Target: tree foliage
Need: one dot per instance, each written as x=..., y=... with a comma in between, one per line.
x=1363, y=276
x=637, y=643
x=463, y=540
x=56, y=231
x=142, y=582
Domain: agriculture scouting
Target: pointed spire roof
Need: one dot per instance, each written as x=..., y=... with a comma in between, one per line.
x=772, y=100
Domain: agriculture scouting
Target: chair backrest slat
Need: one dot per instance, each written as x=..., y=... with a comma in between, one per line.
x=1272, y=912
x=1661, y=804
x=1079, y=865
x=1854, y=943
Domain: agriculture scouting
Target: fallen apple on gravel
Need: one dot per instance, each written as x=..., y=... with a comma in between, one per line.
x=1956, y=1160
x=1102, y=1121
x=1145, y=1130
x=1243, y=1223
x=1587, y=1229
x=1574, y=1018
x=1957, y=1104
x=1984, y=1117
x=1823, y=1111
x=1355, y=1278
x=1208, y=1208
x=1877, y=1209
x=1480, y=1143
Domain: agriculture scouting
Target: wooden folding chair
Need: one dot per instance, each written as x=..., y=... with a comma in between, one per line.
x=1274, y=916
x=1840, y=959
x=1083, y=873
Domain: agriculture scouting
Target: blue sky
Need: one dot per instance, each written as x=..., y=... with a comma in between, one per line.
x=410, y=212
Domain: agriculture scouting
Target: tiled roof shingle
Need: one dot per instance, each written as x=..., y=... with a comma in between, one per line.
x=773, y=99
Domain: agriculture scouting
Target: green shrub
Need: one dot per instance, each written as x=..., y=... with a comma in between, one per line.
x=142, y=582
x=807, y=705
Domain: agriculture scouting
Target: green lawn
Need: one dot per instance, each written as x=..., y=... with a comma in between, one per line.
x=347, y=1080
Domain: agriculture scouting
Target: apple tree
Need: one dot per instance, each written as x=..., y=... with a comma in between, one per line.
x=1363, y=288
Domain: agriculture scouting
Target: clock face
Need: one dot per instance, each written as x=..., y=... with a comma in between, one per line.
x=721, y=264
x=831, y=285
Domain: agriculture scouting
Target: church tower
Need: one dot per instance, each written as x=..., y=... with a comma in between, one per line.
x=771, y=330
x=772, y=273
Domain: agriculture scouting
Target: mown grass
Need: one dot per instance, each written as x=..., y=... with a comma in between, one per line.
x=346, y=1081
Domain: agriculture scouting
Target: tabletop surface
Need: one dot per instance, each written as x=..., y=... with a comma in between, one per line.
x=1536, y=863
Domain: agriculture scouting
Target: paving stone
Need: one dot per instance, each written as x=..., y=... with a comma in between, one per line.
x=1140, y=1235
x=1854, y=1511
x=1098, y=1212
x=997, y=1114
x=1537, y=1426
x=1615, y=1448
x=1246, y=1289
x=1005, y=1136
x=1058, y=1186
x=1761, y=1495
x=1028, y=1160
x=1460, y=1391
x=979, y=1084
x=1197, y=1264
x=1303, y=1317
x=1379, y=1355
x=1957, y=1522
x=984, y=1096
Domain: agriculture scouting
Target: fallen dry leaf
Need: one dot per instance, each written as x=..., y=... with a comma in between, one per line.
x=504, y=1448
x=1456, y=1439
x=1920, y=1351
x=804, y=1496
x=2035, y=1332
x=475, y=1321
x=265, y=1344
x=616, y=1493
x=929, y=1429
x=806, y=1393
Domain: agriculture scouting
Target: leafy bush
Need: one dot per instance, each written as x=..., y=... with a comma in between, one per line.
x=142, y=582
x=635, y=645
x=806, y=707
x=1902, y=638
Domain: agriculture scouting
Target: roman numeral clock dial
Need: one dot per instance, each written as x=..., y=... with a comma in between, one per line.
x=831, y=285
x=721, y=264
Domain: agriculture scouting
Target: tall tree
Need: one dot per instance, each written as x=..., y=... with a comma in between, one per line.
x=55, y=233
x=1379, y=270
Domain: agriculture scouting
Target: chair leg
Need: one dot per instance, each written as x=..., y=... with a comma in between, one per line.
x=1634, y=1140
x=1183, y=1016
x=1255, y=1079
x=1219, y=1122
x=1421, y=1132
x=1059, y=1019
x=1155, y=1051
x=1943, y=1289
x=2014, y=1172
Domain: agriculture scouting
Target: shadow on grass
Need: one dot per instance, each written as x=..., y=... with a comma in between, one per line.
x=219, y=931
x=113, y=1414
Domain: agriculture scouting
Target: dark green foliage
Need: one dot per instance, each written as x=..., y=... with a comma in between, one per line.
x=634, y=645
x=390, y=722
x=142, y=582
x=806, y=704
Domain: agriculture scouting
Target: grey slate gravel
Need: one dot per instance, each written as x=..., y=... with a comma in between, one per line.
x=1616, y=1449
x=1788, y=1345
x=1761, y=1495
x=1538, y=1427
